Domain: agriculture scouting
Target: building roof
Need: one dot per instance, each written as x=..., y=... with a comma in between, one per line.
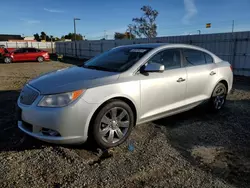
x=6, y=37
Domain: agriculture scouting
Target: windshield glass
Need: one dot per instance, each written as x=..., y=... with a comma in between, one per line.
x=117, y=60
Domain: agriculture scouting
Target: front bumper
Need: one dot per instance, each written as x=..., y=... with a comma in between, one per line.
x=52, y=139
x=70, y=122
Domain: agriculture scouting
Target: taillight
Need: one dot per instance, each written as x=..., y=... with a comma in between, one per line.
x=231, y=67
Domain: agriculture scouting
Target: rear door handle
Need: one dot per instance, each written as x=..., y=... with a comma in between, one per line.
x=212, y=73
x=181, y=80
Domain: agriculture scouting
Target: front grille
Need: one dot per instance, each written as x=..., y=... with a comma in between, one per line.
x=28, y=95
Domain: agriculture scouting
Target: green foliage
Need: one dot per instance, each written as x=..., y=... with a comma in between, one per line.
x=43, y=35
x=126, y=35
x=72, y=36
x=37, y=37
x=145, y=25
x=46, y=37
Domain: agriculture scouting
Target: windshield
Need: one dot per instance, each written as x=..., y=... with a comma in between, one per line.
x=117, y=60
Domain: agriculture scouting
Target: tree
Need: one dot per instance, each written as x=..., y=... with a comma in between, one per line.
x=63, y=38
x=126, y=35
x=48, y=38
x=37, y=37
x=43, y=35
x=56, y=39
x=145, y=25
x=71, y=36
x=68, y=36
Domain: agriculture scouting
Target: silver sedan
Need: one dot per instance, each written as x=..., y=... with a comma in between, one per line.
x=128, y=85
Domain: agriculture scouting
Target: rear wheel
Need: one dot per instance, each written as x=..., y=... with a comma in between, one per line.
x=7, y=60
x=113, y=124
x=218, y=97
x=40, y=59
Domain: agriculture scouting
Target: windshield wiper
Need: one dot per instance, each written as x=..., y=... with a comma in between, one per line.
x=99, y=68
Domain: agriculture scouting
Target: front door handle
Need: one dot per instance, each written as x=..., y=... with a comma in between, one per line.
x=212, y=73
x=181, y=80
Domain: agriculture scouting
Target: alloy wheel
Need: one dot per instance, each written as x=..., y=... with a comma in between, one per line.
x=219, y=97
x=114, y=125
x=7, y=60
x=40, y=59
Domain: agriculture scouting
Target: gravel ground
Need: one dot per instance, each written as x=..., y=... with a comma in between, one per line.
x=192, y=149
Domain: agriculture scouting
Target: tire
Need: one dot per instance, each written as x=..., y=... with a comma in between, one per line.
x=218, y=98
x=40, y=59
x=7, y=60
x=112, y=124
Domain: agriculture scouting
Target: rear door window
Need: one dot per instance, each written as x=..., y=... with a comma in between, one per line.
x=32, y=50
x=19, y=51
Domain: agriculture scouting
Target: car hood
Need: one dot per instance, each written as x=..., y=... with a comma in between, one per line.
x=71, y=79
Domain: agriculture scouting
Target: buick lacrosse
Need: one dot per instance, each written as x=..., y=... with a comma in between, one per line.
x=125, y=86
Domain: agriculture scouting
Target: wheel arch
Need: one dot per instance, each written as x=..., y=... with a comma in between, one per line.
x=220, y=81
x=121, y=98
x=224, y=82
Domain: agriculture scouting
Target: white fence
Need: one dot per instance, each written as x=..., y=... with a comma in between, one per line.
x=234, y=48
x=42, y=45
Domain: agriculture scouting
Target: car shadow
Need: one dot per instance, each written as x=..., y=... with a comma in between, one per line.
x=218, y=143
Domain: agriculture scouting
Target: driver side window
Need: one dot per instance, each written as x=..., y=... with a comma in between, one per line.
x=170, y=58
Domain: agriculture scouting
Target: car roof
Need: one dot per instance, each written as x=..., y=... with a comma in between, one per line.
x=176, y=45
x=156, y=45
x=148, y=45
x=27, y=48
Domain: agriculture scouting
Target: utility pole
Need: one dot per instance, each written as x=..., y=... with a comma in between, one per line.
x=104, y=34
x=233, y=26
x=51, y=40
x=130, y=37
x=232, y=46
x=199, y=31
x=75, y=34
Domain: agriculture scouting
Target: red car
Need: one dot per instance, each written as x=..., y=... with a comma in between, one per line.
x=26, y=54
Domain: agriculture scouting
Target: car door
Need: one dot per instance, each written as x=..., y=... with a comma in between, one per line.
x=31, y=54
x=201, y=74
x=163, y=92
x=19, y=54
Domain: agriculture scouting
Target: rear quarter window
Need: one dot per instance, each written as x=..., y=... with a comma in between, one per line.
x=208, y=58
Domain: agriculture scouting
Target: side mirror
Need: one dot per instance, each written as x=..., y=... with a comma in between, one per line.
x=154, y=67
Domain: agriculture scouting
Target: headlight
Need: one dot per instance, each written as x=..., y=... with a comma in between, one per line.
x=60, y=100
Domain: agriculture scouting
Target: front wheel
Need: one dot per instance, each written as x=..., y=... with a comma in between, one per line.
x=7, y=60
x=218, y=97
x=40, y=59
x=113, y=124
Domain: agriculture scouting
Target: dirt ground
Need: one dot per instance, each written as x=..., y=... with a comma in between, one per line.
x=192, y=149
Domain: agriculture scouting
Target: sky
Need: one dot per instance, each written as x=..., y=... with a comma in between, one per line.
x=176, y=17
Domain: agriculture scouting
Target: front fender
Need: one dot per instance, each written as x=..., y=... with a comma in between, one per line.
x=129, y=90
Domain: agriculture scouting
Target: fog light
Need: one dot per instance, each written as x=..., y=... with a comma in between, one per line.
x=50, y=132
